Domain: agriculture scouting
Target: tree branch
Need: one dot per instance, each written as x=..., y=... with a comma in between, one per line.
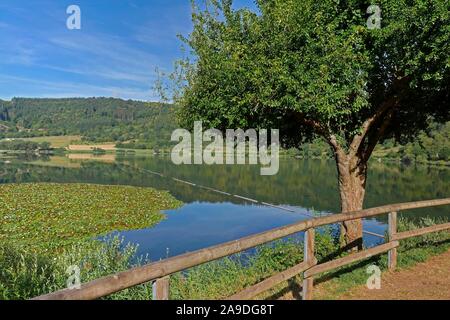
x=325, y=133
x=315, y=125
x=358, y=140
x=397, y=87
x=377, y=135
x=338, y=150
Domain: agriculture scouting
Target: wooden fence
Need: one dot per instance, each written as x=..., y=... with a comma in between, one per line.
x=159, y=272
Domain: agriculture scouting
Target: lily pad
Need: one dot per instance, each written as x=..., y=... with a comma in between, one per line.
x=48, y=216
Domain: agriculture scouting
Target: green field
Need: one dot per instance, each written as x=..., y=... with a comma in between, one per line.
x=56, y=141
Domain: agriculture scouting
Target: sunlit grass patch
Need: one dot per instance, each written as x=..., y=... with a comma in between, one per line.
x=56, y=141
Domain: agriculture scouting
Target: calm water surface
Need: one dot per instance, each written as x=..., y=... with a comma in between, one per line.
x=305, y=187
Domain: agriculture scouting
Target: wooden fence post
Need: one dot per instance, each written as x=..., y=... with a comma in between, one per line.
x=392, y=254
x=161, y=289
x=310, y=259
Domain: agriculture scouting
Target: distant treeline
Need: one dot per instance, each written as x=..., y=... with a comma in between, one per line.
x=143, y=125
x=21, y=145
x=431, y=145
x=95, y=119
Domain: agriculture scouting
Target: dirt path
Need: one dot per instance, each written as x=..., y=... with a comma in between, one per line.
x=424, y=281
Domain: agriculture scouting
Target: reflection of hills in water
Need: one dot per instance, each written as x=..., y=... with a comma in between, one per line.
x=304, y=183
x=89, y=156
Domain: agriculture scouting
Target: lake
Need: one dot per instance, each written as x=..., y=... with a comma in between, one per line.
x=220, y=200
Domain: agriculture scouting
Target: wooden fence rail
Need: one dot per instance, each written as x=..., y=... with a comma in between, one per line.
x=159, y=272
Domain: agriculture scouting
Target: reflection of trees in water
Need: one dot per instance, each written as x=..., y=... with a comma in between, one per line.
x=101, y=173
x=296, y=183
x=305, y=183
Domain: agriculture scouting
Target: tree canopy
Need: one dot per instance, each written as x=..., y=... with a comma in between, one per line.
x=315, y=68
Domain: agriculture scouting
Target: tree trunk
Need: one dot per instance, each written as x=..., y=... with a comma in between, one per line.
x=352, y=173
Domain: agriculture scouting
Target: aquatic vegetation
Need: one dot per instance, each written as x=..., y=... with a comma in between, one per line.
x=42, y=217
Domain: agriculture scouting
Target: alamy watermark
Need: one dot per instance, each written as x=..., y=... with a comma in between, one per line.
x=73, y=22
x=234, y=149
x=374, y=281
x=374, y=21
x=74, y=279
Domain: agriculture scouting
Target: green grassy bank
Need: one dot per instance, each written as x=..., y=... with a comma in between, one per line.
x=24, y=274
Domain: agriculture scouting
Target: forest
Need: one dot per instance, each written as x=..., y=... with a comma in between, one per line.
x=148, y=125
x=22, y=145
x=95, y=119
x=432, y=145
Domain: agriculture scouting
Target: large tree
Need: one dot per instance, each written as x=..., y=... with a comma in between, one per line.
x=313, y=68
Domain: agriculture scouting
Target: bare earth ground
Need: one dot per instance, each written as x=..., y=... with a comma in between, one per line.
x=425, y=281
x=429, y=280
x=86, y=147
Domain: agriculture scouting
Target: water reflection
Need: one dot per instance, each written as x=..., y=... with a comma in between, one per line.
x=306, y=186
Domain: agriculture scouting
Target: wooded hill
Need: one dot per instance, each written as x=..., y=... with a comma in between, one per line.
x=95, y=119
x=144, y=125
x=429, y=145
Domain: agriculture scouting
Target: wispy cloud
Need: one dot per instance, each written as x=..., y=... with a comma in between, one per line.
x=111, y=55
x=18, y=53
x=162, y=30
x=110, y=48
x=106, y=73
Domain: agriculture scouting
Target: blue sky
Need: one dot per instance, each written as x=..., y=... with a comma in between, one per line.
x=115, y=54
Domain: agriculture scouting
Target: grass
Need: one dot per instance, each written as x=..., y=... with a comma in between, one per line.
x=55, y=141
x=46, y=217
x=221, y=279
x=25, y=275
x=218, y=280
